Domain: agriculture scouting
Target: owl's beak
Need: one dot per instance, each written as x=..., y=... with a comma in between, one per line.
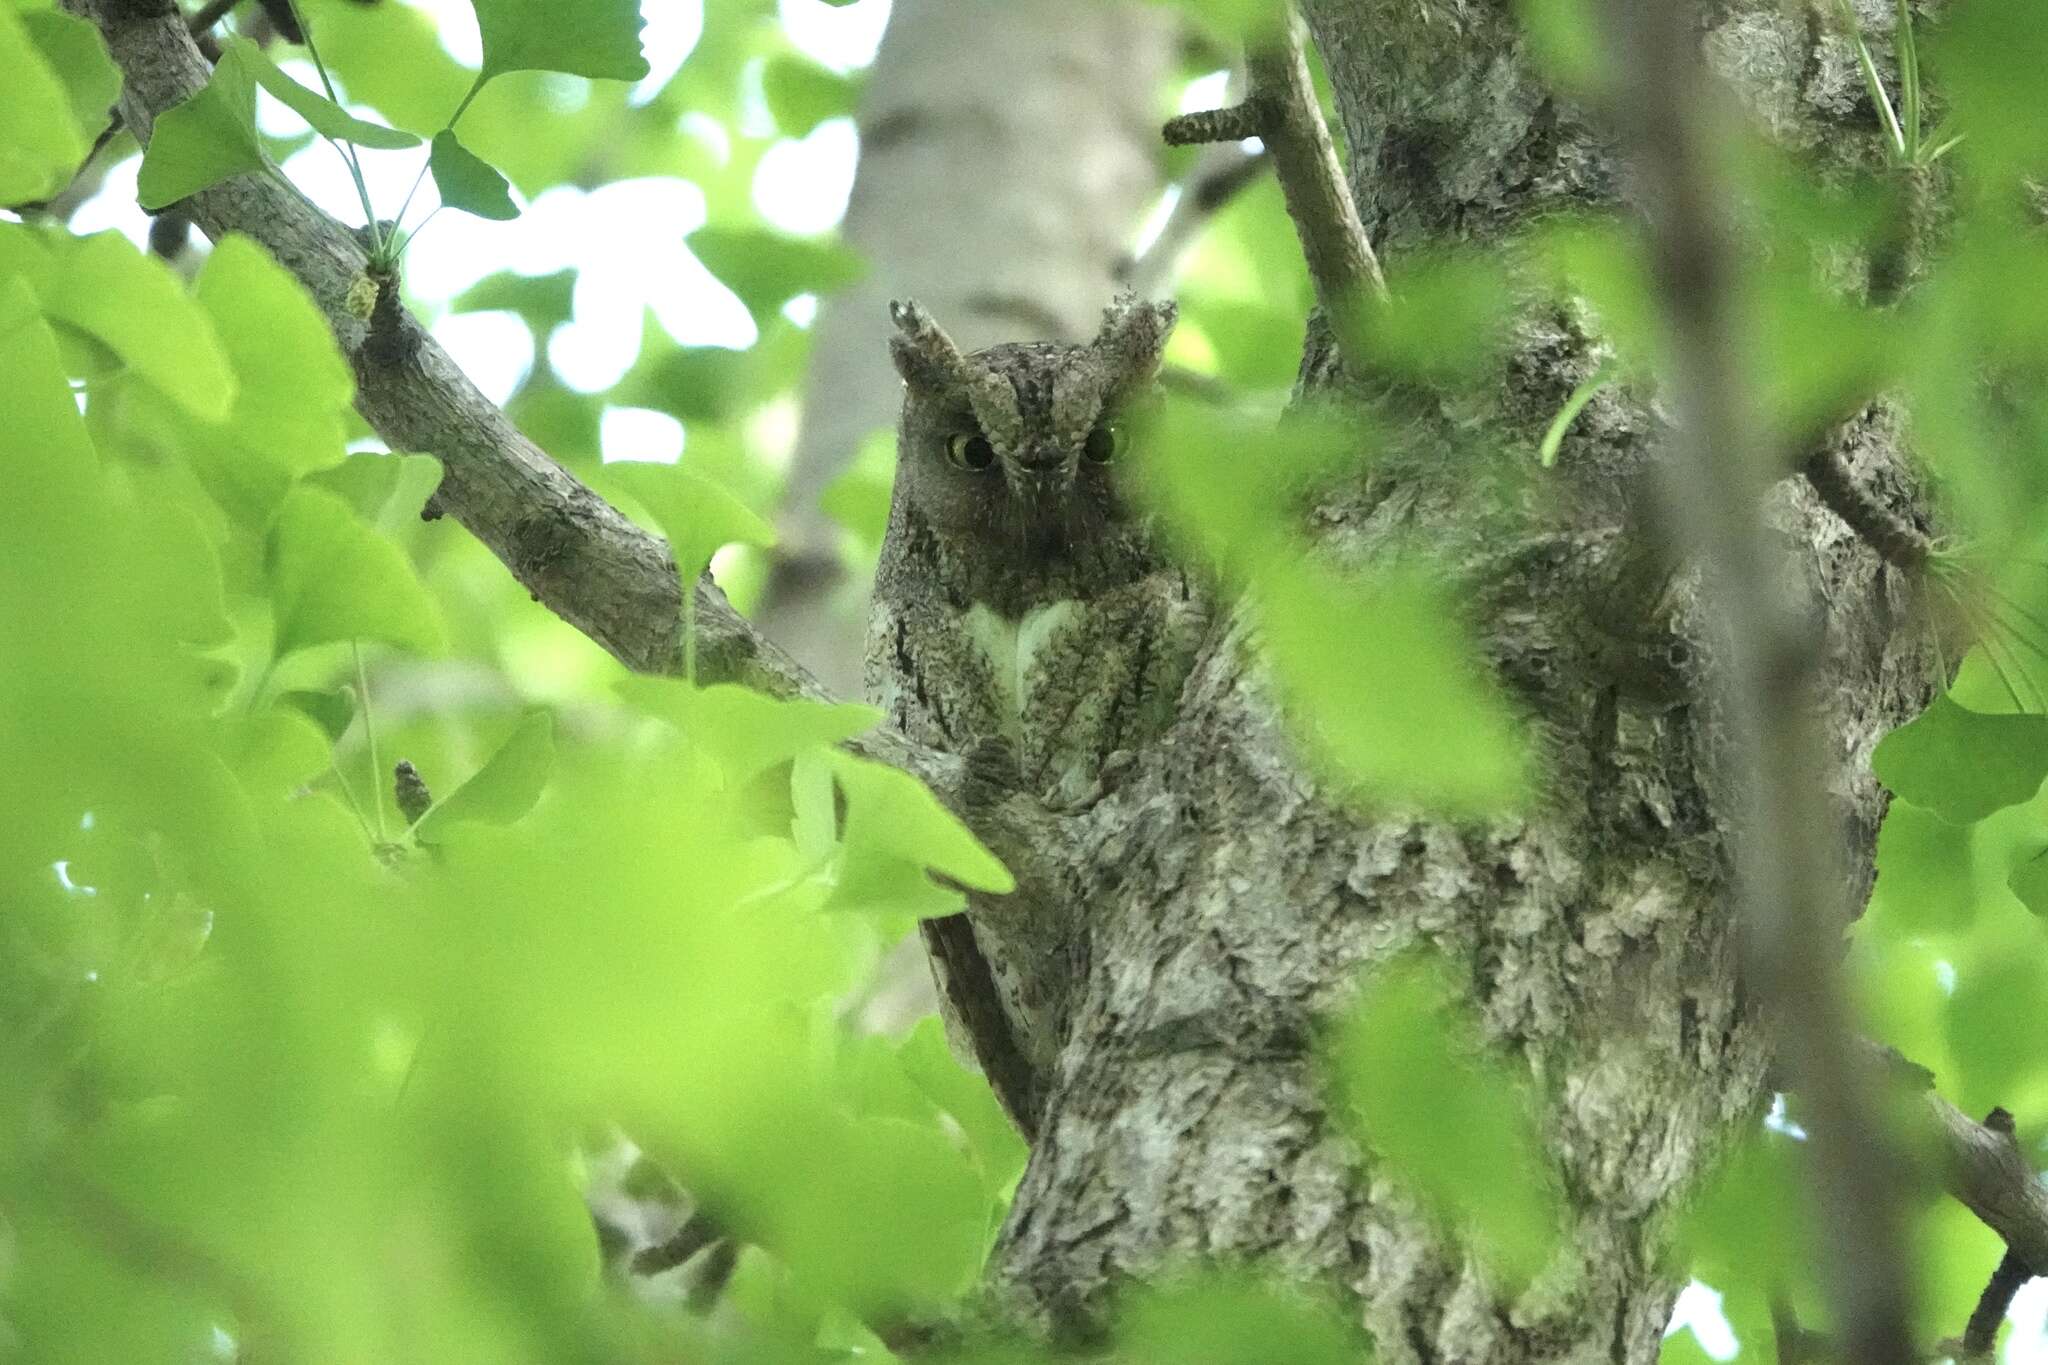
x=1041, y=460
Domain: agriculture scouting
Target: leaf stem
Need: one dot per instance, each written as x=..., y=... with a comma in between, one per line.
x=370, y=734
x=355, y=168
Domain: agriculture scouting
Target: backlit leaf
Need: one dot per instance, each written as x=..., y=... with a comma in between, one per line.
x=697, y=516
x=323, y=114
x=139, y=308
x=1382, y=685
x=896, y=830
x=204, y=140
x=333, y=578
x=1470, y=1150
x=505, y=788
x=468, y=182
x=44, y=144
x=596, y=38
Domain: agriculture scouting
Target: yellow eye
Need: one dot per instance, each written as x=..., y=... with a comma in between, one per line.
x=1104, y=444
x=969, y=450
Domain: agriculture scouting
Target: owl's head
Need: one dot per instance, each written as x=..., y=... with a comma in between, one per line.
x=1018, y=444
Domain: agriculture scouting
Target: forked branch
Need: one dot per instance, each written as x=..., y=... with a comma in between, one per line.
x=1280, y=109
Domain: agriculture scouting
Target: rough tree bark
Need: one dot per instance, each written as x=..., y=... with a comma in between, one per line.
x=1006, y=206
x=1229, y=902
x=1226, y=900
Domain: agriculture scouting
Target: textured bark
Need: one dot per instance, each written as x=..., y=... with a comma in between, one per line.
x=1008, y=149
x=1232, y=902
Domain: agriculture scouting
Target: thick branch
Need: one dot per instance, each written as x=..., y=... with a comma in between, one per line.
x=1990, y=1175
x=1791, y=903
x=568, y=547
x=1281, y=110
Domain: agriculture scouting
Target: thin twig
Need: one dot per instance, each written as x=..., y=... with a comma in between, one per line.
x=1897, y=541
x=1280, y=109
x=210, y=14
x=1982, y=1333
x=698, y=1231
x=1789, y=891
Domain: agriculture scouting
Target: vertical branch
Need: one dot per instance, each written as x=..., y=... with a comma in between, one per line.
x=1718, y=474
x=1280, y=109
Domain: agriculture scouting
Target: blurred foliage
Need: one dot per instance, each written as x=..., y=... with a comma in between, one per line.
x=287, y=1073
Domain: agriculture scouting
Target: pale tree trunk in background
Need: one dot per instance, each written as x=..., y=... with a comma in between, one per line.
x=1228, y=903
x=1009, y=149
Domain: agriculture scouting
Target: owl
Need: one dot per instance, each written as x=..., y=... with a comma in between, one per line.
x=1024, y=608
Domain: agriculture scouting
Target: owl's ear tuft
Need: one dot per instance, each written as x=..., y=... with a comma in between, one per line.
x=1133, y=337
x=923, y=354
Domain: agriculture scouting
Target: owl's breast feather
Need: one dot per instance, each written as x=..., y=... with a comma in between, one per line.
x=1011, y=648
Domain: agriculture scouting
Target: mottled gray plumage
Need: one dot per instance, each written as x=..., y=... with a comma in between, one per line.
x=1024, y=614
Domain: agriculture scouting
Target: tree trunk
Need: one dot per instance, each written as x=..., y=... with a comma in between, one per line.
x=1008, y=150
x=1231, y=903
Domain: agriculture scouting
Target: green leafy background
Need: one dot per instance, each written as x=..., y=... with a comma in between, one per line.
x=282, y=1067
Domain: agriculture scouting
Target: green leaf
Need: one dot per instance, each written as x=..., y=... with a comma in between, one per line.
x=745, y=731
x=203, y=141
x=2029, y=882
x=545, y=301
x=697, y=516
x=1382, y=685
x=599, y=39
x=293, y=388
x=1469, y=1148
x=1222, y=1319
x=333, y=578
x=139, y=308
x=44, y=143
x=468, y=182
x=801, y=94
x=77, y=54
x=767, y=269
x=929, y=1062
x=333, y=710
x=895, y=830
x=388, y=491
x=1924, y=879
x=1992, y=1022
x=323, y=114
x=1962, y=764
x=505, y=788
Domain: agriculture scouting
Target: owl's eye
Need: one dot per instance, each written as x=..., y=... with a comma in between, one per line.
x=969, y=450
x=1104, y=444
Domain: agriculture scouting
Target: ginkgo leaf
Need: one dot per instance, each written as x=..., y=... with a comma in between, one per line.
x=77, y=55
x=388, y=491
x=506, y=787
x=600, y=38
x=696, y=515
x=1471, y=1151
x=333, y=578
x=43, y=145
x=140, y=310
x=745, y=731
x=467, y=181
x=896, y=830
x=1963, y=764
x=1382, y=685
x=323, y=114
x=204, y=140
